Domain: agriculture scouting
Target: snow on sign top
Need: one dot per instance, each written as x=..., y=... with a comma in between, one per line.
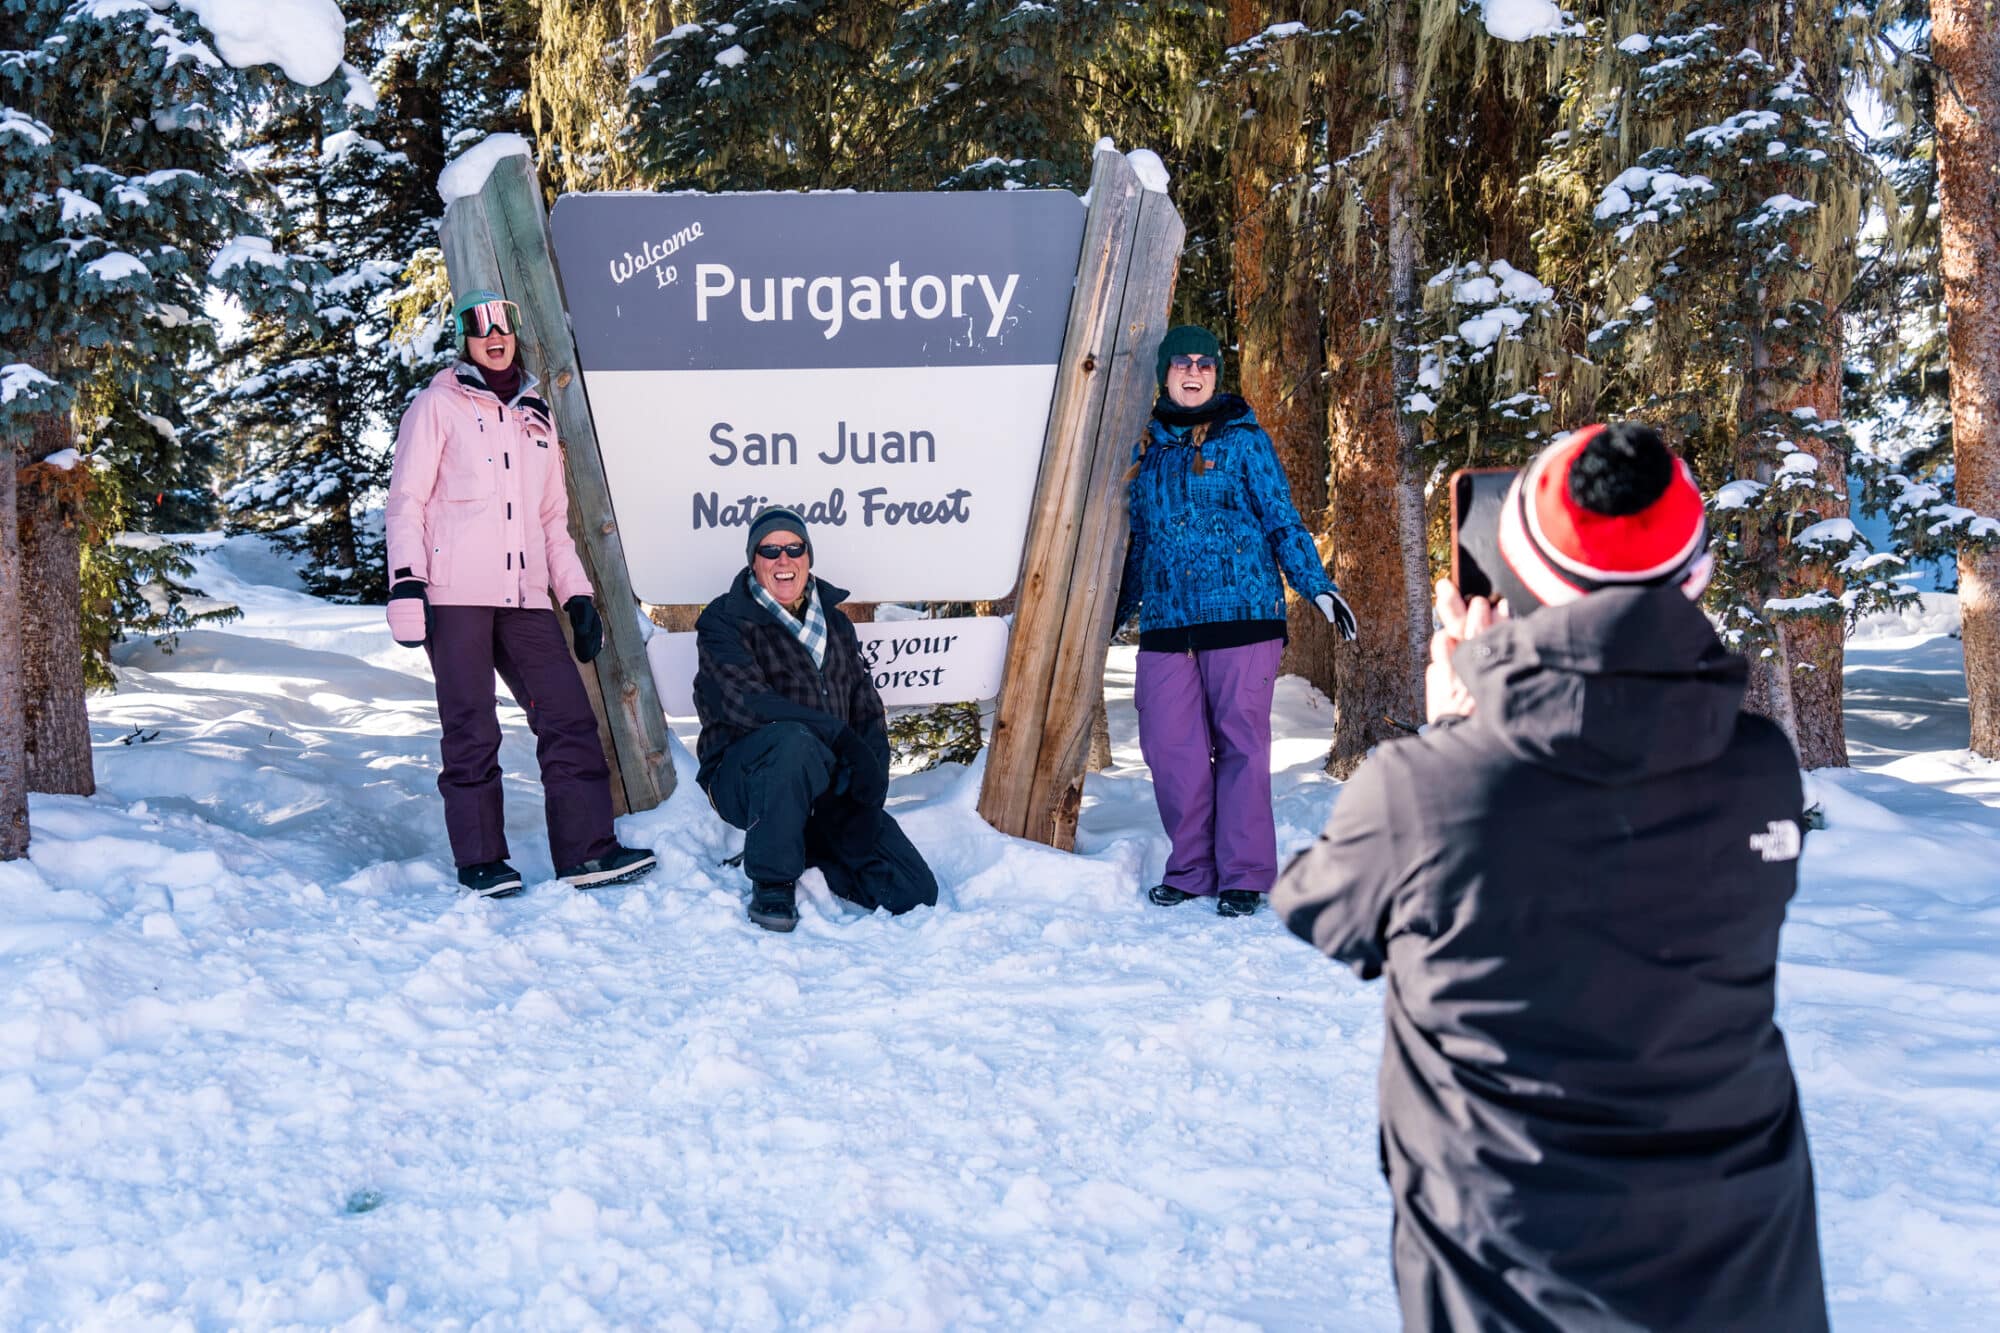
x=465, y=175
x=302, y=37
x=1523, y=20
x=1151, y=171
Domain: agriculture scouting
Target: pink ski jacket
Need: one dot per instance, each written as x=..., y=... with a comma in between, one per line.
x=477, y=504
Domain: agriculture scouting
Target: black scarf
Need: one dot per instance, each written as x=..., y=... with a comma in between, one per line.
x=1219, y=407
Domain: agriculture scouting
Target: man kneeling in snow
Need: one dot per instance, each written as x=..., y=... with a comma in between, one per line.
x=794, y=743
x=1575, y=881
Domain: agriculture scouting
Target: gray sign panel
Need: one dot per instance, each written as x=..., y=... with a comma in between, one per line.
x=817, y=281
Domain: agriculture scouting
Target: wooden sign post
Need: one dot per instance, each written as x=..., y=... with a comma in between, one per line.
x=498, y=240
x=1077, y=533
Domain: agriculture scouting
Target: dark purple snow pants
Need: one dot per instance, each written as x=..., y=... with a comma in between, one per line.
x=467, y=645
x=1205, y=729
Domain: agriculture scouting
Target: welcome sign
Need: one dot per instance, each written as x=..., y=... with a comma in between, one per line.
x=881, y=362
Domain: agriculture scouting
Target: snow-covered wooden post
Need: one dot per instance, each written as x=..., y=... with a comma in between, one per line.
x=498, y=240
x=1076, y=536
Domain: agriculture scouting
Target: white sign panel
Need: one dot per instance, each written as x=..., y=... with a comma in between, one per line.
x=882, y=363
x=913, y=661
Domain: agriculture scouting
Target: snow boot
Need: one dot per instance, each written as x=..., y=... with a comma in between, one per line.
x=490, y=879
x=617, y=866
x=1238, y=902
x=774, y=904
x=1166, y=895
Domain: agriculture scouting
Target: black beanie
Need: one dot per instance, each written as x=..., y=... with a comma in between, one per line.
x=776, y=519
x=1187, y=340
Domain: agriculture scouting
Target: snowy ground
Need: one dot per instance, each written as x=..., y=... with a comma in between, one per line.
x=260, y=1067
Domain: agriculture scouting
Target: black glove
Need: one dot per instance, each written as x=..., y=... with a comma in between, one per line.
x=401, y=622
x=585, y=626
x=867, y=775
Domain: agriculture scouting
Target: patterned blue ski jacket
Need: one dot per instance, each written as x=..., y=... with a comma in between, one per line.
x=1207, y=548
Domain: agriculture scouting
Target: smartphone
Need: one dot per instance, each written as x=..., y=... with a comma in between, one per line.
x=1477, y=496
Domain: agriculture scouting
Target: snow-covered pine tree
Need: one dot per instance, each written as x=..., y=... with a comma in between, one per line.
x=1012, y=96
x=1722, y=200
x=1898, y=364
x=307, y=410
x=149, y=476
x=941, y=95
x=775, y=95
x=117, y=216
x=117, y=219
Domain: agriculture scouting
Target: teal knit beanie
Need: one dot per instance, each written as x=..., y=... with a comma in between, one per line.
x=1187, y=340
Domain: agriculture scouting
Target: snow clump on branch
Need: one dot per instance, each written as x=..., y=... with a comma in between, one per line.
x=302, y=37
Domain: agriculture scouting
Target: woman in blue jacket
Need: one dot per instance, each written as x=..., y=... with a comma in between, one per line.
x=1212, y=525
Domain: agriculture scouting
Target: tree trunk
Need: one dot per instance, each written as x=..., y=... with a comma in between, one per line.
x=13, y=701
x=1814, y=652
x=48, y=505
x=1378, y=504
x=1280, y=335
x=1965, y=41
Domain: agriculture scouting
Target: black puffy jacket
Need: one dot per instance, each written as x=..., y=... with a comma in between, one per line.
x=1588, y=1117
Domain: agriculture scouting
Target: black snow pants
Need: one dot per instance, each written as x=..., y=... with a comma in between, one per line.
x=777, y=785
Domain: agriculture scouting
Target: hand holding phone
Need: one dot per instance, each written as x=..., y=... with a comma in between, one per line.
x=1458, y=619
x=1478, y=496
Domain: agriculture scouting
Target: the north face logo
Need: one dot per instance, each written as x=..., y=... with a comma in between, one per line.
x=1780, y=841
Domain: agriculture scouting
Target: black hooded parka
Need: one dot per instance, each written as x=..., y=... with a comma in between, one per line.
x=1588, y=1117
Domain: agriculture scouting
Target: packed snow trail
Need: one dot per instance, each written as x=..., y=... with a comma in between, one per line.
x=261, y=1066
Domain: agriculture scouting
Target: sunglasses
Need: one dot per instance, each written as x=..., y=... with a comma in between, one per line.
x=1192, y=362
x=502, y=317
x=793, y=549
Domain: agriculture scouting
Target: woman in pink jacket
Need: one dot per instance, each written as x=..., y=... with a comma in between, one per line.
x=478, y=534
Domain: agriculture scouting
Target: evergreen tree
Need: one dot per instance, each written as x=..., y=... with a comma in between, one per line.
x=1898, y=366
x=942, y=95
x=307, y=410
x=1722, y=202
x=118, y=215
x=587, y=55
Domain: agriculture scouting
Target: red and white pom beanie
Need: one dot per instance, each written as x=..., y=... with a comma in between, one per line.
x=1604, y=507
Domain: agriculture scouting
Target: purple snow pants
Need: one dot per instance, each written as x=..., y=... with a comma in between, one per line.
x=1205, y=729
x=467, y=645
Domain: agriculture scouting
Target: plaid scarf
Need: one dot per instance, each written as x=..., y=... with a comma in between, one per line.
x=809, y=629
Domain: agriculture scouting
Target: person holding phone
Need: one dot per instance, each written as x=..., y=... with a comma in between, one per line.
x=477, y=527
x=1213, y=531
x=1574, y=881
